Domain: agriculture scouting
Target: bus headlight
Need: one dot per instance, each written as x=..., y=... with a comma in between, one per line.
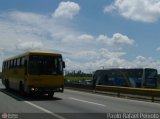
x=32, y=89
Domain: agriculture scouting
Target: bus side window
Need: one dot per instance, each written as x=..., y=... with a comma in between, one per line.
x=7, y=65
x=11, y=64
x=22, y=61
x=18, y=62
x=15, y=63
x=3, y=67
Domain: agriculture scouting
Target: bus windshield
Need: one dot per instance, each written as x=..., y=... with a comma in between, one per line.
x=45, y=65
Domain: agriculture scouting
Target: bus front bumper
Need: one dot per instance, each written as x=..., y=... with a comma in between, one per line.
x=45, y=90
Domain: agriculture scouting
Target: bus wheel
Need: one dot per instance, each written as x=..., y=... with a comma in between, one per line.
x=21, y=88
x=51, y=94
x=7, y=84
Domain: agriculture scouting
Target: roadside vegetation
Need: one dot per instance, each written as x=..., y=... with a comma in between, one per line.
x=78, y=77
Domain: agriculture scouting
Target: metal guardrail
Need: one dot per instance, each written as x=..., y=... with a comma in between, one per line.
x=119, y=91
x=128, y=90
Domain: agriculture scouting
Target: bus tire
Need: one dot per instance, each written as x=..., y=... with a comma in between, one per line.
x=51, y=94
x=7, y=84
x=21, y=88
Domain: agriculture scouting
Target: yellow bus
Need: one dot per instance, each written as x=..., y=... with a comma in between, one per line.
x=34, y=72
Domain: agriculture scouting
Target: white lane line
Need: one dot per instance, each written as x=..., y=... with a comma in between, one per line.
x=45, y=110
x=38, y=107
x=87, y=101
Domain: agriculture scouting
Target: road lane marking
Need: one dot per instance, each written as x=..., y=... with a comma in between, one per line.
x=87, y=101
x=45, y=110
x=38, y=107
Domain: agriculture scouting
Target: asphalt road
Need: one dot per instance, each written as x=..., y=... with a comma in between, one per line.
x=72, y=105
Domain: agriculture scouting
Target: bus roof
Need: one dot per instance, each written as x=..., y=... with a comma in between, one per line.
x=33, y=52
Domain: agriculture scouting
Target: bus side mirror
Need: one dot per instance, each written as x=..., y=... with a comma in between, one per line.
x=63, y=64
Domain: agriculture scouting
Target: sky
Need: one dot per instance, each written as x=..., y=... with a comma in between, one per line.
x=90, y=34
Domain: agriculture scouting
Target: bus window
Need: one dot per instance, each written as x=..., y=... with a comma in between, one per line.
x=117, y=78
x=15, y=63
x=18, y=62
x=45, y=65
x=7, y=65
x=111, y=78
x=150, y=78
x=4, y=65
x=11, y=64
x=135, y=77
x=22, y=61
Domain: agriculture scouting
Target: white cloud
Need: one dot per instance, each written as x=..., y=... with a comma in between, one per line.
x=86, y=38
x=112, y=62
x=141, y=61
x=107, y=54
x=22, y=31
x=93, y=55
x=116, y=39
x=91, y=60
x=104, y=39
x=26, y=17
x=85, y=55
x=121, y=39
x=29, y=45
x=66, y=10
x=137, y=10
x=24, y=26
x=78, y=38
